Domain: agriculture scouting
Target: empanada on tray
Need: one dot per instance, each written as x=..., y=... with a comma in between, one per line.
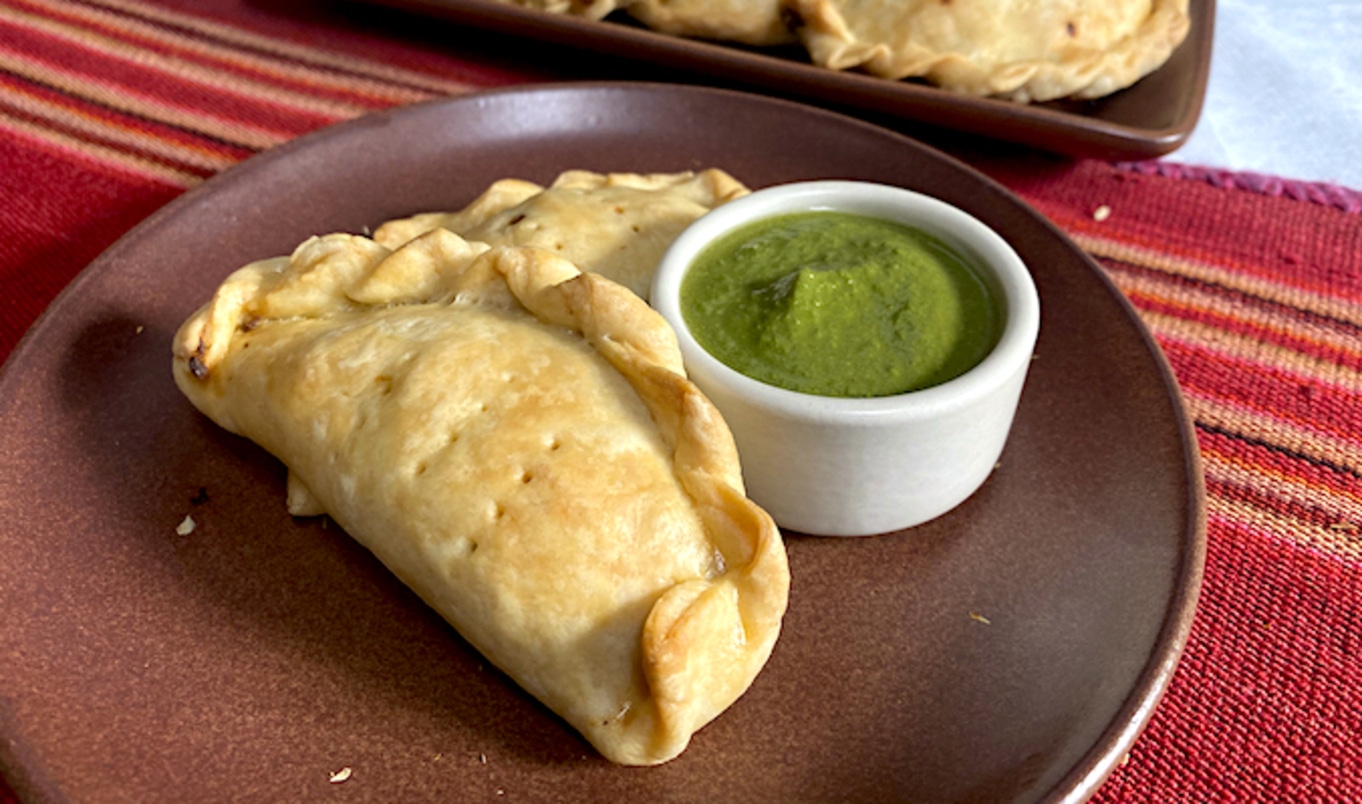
x=517, y=442
x=590, y=9
x=1021, y=50
x=749, y=22
x=617, y=225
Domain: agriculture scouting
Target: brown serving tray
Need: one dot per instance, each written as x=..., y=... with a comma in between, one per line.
x=1150, y=119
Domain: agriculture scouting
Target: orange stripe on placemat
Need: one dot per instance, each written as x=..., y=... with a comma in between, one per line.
x=1320, y=304
x=123, y=100
x=116, y=29
x=1320, y=489
x=138, y=86
x=1298, y=438
x=1222, y=506
x=104, y=154
x=53, y=111
x=205, y=80
x=1289, y=363
x=1269, y=404
x=244, y=40
x=1253, y=317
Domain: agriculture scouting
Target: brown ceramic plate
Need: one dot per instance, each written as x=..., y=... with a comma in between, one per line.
x=255, y=656
x=1149, y=119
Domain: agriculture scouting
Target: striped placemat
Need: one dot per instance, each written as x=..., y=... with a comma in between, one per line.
x=1252, y=285
x=1255, y=295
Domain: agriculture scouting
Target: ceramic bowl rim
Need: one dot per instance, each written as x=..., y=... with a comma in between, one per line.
x=956, y=227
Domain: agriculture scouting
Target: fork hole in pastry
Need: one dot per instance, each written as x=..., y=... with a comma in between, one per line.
x=421, y=468
x=526, y=476
x=384, y=383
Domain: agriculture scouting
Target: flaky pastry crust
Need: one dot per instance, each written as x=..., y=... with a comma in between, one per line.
x=590, y=9
x=1016, y=49
x=516, y=440
x=749, y=22
x=614, y=224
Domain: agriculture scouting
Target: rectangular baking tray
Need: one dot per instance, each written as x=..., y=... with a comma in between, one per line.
x=1150, y=119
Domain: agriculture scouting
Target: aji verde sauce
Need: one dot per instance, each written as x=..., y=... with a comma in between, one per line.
x=837, y=304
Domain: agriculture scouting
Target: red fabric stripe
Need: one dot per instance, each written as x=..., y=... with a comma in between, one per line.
x=1280, y=318
x=16, y=85
x=1350, y=358
x=1259, y=500
x=60, y=211
x=1298, y=245
x=351, y=94
x=1270, y=458
x=390, y=37
x=1263, y=706
x=61, y=128
x=1330, y=410
x=124, y=77
x=1265, y=500
x=151, y=161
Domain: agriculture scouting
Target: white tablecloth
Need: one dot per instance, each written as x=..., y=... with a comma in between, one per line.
x=1285, y=91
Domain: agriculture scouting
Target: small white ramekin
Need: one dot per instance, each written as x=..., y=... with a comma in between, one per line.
x=854, y=467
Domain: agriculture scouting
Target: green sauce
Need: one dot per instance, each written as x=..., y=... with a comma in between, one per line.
x=837, y=304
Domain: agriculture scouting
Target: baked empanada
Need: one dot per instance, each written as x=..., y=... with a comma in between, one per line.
x=590, y=9
x=517, y=442
x=748, y=22
x=1025, y=50
x=617, y=225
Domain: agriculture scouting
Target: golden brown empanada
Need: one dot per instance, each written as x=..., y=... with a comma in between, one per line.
x=1025, y=50
x=590, y=9
x=517, y=442
x=617, y=225
x=748, y=22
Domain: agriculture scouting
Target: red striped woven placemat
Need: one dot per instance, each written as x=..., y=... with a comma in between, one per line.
x=1256, y=298
x=1252, y=284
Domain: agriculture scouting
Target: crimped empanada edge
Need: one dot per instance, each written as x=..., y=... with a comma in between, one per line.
x=744, y=604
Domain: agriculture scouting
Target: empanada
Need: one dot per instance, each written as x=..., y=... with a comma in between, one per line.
x=1025, y=50
x=517, y=442
x=748, y=22
x=590, y=9
x=617, y=225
